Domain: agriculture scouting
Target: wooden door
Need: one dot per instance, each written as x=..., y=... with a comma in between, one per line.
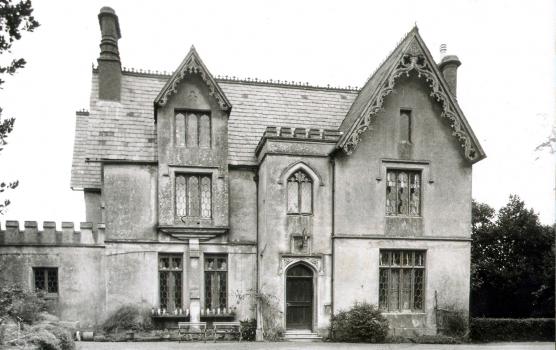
x=299, y=298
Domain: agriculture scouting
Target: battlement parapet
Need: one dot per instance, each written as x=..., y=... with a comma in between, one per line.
x=89, y=234
x=306, y=135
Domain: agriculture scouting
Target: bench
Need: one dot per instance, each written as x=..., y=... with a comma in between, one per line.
x=226, y=328
x=188, y=328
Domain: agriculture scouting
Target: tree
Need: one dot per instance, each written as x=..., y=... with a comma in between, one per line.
x=512, y=262
x=15, y=18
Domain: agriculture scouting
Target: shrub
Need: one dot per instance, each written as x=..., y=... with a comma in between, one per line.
x=507, y=329
x=16, y=301
x=452, y=322
x=249, y=329
x=44, y=339
x=362, y=323
x=128, y=317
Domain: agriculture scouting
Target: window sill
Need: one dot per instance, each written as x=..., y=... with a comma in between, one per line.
x=410, y=313
x=404, y=216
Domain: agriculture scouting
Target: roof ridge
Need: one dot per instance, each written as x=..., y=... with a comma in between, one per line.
x=229, y=78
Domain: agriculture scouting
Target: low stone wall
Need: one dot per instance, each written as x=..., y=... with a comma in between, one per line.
x=88, y=234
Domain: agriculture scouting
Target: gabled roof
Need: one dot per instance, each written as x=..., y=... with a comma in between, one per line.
x=410, y=55
x=126, y=130
x=192, y=64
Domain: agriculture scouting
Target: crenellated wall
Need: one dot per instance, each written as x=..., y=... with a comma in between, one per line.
x=76, y=253
x=89, y=234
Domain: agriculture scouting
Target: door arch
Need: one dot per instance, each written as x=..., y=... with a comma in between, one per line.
x=299, y=297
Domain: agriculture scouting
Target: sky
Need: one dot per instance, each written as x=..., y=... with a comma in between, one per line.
x=506, y=83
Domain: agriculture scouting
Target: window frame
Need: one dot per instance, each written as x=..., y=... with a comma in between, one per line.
x=169, y=270
x=198, y=114
x=207, y=256
x=413, y=267
x=409, y=170
x=187, y=173
x=46, y=270
x=300, y=194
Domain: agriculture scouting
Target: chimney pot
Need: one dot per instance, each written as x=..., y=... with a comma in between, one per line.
x=109, y=65
x=449, y=68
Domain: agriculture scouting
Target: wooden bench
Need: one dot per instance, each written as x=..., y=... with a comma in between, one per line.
x=226, y=328
x=188, y=328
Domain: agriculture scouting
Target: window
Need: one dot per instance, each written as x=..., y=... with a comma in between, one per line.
x=46, y=279
x=193, y=129
x=216, y=280
x=403, y=192
x=193, y=195
x=405, y=125
x=402, y=280
x=170, y=273
x=300, y=193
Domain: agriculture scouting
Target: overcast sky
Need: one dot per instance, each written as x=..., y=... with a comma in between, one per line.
x=506, y=83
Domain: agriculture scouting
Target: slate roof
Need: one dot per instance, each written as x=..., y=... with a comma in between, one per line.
x=125, y=130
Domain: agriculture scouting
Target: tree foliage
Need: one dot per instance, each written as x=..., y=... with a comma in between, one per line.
x=15, y=18
x=512, y=262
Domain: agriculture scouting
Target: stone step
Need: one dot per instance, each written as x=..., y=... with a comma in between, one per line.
x=302, y=336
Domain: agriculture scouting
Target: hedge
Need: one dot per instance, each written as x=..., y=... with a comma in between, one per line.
x=512, y=329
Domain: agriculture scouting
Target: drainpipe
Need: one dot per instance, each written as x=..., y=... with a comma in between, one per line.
x=259, y=331
x=333, y=224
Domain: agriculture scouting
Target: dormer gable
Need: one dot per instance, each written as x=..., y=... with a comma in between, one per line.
x=411, y=55
x=192, y=65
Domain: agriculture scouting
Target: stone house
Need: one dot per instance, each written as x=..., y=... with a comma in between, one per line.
x=201, y=190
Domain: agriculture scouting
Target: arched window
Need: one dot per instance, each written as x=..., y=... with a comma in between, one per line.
x=405, y=125
x=204, y=131
x=192, y=137
x=180, y=129
x=300, y=193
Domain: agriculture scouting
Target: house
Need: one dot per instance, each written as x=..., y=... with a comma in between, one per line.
x=202, y=191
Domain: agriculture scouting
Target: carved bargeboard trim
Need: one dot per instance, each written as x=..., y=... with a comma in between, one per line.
x=192, y=66
x=313, y=261
x=414, y=59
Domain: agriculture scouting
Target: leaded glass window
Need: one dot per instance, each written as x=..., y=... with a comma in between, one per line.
x=401, y=280
x=403, y=192
x=193, y=129
x=170, y=273
x=46, y=279
x=216, y=279
x=300, y=193
x=193, y=195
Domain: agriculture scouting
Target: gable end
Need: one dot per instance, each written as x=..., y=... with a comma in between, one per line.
x=415, y=57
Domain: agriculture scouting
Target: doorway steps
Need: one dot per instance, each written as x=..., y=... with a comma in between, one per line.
x=302, y=335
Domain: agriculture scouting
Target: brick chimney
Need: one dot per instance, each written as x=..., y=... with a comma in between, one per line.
x=449, y=68
x=109, y=67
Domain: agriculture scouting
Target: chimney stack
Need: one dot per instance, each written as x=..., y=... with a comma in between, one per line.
x=449, y=68
x=109, y=67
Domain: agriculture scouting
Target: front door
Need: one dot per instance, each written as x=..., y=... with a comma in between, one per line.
x=299, y=298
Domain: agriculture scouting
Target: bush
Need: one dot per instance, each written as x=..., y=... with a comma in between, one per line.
x=128, y=317
x=16, y=301
x=507, y=329
x=452, y=322
x=249, y=329
x=363, y=323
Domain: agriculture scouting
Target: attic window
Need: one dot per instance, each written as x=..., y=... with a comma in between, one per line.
x=193, y=129
x=305, y=97
x=405, y=125
x=106, y=133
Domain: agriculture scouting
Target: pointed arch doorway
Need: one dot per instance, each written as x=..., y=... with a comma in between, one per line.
x=299, y=297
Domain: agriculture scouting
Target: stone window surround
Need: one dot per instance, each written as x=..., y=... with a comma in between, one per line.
x=174, y=170
x=421, y=311
x=198, y=113
x=47, y=267
x=424, y=166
